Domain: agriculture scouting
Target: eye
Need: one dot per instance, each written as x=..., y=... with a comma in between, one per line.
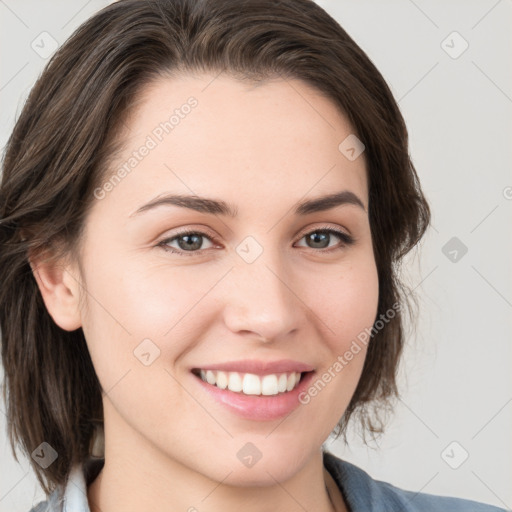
x=190, y=243
x=319, y=237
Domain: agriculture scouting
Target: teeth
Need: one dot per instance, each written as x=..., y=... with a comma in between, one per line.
x=250, y=384
x=234, y=382
x=281, y=383
x=222, y=380
x=269, y=385
x=210, y=377
x=291, y=382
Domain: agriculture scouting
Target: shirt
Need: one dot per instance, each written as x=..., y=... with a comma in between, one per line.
x=360, y=491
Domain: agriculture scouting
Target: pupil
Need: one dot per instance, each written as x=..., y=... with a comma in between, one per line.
x=319, y=238
x=190, y=244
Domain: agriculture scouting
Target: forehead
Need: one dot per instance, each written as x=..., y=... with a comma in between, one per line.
x=215, y=135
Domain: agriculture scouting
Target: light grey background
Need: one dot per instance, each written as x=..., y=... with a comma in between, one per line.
x=456, y=375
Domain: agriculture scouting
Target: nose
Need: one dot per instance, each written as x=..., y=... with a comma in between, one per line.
x=261, y=301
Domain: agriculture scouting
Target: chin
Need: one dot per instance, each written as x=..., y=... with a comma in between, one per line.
x=263, y=470
x=260, y=475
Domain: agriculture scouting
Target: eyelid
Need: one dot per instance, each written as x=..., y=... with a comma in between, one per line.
x=202, y=231
x=324, y=227
x=346, y=239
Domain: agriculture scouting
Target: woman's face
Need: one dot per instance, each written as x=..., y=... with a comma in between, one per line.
x=261, y=286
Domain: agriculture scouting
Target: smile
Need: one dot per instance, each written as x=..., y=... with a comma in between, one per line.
x=249, y=383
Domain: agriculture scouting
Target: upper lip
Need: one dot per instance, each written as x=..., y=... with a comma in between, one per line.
x=259, y=367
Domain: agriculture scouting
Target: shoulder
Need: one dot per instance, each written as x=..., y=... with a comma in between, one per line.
x=363, y=493
x=49, y=505
x=53, y=503
x=71, y=497
x=40, y=507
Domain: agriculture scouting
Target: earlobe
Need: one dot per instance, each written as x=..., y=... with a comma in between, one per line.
x=59, y=285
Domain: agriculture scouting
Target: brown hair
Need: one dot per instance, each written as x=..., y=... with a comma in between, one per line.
x=58, y=153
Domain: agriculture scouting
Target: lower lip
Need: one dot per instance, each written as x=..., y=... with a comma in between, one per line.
x=258, y=407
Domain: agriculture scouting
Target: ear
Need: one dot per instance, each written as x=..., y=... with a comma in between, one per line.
x=59, y=284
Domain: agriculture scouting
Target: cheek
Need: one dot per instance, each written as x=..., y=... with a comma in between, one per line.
x=346, y=301
x=347, y=306
x=130, y=302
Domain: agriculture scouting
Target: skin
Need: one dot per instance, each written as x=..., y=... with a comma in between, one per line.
x=264, y=149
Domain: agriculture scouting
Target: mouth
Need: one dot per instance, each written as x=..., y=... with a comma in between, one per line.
x=271, y=384
x=255, y=390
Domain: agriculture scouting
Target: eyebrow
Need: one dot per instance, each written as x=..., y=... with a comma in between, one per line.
x=218, y=207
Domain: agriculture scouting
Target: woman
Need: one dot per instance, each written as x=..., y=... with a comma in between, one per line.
x=203, y=208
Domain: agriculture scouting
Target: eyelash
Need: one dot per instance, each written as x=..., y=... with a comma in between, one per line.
x=346, y=240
